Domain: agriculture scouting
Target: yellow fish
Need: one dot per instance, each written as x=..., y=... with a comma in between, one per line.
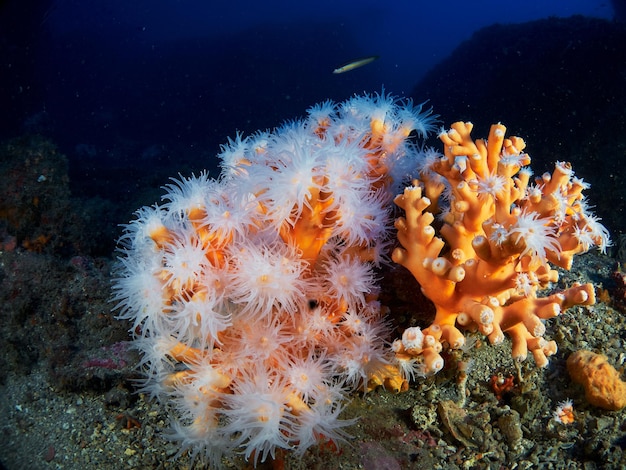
x=355, y=64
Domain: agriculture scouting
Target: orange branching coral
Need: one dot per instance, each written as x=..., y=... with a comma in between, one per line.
x=498, y=233
x=602, y=383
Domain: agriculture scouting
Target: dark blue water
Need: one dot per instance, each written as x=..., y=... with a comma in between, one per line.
x=125, y=87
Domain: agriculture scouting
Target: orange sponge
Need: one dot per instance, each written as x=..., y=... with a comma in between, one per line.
x=602, y=383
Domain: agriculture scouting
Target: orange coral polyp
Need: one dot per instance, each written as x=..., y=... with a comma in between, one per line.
x=184, y=353
x=378, y=128
x=161, y=236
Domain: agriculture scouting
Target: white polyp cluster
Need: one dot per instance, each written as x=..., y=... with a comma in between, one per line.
x=252, y=296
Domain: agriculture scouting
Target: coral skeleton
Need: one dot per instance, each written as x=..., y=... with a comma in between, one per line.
x=480, y=238
x=253, y=297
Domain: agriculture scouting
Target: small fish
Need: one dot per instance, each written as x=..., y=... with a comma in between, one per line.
x=355, y=64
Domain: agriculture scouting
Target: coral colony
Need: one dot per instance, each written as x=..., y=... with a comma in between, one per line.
x=254, y=296
x=482, y=269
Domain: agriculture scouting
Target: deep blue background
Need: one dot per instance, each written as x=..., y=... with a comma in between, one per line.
x=124, y=86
